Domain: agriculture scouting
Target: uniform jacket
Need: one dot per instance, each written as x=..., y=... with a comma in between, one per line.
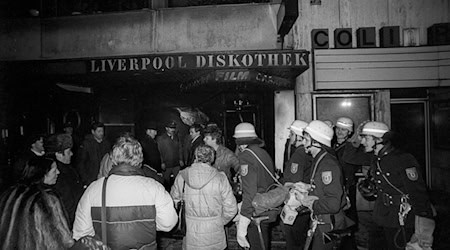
x=69, y=188
x=327, y=185
x=225, y=161
x=348, y=156
x=89, y=157
x=403, y=171
x=255, y=178
x=170, y=150
x=136, y=206
x=152, y=157
x=298, y=167
x=210, y=204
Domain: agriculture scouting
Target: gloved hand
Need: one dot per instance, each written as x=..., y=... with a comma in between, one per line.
x=241, y=234
x=302, y=187
x=308, y=201
x=238, y=215
x=292, y=201
x=423, y=234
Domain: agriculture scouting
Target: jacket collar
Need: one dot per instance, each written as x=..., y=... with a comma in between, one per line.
x=126, y=170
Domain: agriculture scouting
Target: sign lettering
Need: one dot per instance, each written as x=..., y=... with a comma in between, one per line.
x=236, y=60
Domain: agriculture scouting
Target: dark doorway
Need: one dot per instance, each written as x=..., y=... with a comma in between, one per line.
x=409, y=119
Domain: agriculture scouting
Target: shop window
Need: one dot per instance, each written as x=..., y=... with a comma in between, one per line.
x=358, y=107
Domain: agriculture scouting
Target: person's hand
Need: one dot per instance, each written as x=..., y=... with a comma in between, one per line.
x=241, y=234
x=356, y=138
x=302, y=187
x=238, y=215
x=163, y=166
x=308, y=201
x=181, y=163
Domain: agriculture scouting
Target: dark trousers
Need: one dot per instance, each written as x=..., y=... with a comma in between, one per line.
x=254, y=238
x=387, y=238
x=296, y=233
x=169, y=176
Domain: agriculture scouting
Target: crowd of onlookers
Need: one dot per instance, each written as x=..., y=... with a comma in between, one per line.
x=118, y=197
x=58, y=196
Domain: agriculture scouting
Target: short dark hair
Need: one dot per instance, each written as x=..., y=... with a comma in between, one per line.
x=34, y=138
x=96, y=125
x=197, y=127
x=215, y=133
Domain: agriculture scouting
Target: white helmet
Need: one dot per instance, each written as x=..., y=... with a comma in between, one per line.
x=320, y=131
x=345, y=123
x=298, y=126
x=244, y=130
x=377, y=129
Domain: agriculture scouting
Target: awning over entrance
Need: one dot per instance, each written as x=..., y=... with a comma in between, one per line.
x=274, y=69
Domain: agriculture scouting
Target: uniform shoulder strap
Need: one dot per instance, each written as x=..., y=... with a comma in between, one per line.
x=264, y=165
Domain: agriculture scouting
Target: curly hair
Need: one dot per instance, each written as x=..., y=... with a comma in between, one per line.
x=204, y=154
x=127, y=150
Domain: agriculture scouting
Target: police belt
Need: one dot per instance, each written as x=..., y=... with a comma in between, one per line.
x=327, y=219
x=391, y=200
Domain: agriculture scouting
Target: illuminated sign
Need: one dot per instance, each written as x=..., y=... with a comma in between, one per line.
x=234, y=76
x=216, y=60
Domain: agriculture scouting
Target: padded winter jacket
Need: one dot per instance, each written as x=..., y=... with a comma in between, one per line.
x=210, y=204
x=136, y=206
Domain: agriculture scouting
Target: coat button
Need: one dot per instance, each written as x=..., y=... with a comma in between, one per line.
x=378, y=173
x=387, y=174
x=379, y=181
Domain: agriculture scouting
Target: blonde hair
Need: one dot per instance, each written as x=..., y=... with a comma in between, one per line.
x=127, y=150
x=205, y=154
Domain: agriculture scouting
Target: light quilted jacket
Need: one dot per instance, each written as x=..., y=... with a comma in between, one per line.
x=210, y=204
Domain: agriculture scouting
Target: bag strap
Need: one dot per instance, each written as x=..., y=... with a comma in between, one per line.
x=264, y=165
x=103, y=212
x=311, y=181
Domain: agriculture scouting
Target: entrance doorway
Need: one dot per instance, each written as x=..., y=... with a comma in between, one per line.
x=410, y=119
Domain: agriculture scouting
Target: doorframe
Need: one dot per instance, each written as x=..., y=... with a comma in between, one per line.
x=426, y=107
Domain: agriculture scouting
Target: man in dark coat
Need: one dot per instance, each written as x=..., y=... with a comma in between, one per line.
x=171, y=153
x=35, y=148
x=152, y=157
x=68, y=185
x=91, y=152
x=191, y=142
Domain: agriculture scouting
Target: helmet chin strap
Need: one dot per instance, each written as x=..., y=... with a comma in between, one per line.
x=376, y=143
x=312, y=145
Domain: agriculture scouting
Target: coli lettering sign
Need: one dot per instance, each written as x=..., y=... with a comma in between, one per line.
x=214, y=60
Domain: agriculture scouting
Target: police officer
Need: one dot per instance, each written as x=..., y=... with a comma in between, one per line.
x=255, y=179
x=325, y=198
x=298, y=168
x=402, y=199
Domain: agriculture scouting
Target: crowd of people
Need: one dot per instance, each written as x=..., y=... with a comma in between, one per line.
x=118, y=197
